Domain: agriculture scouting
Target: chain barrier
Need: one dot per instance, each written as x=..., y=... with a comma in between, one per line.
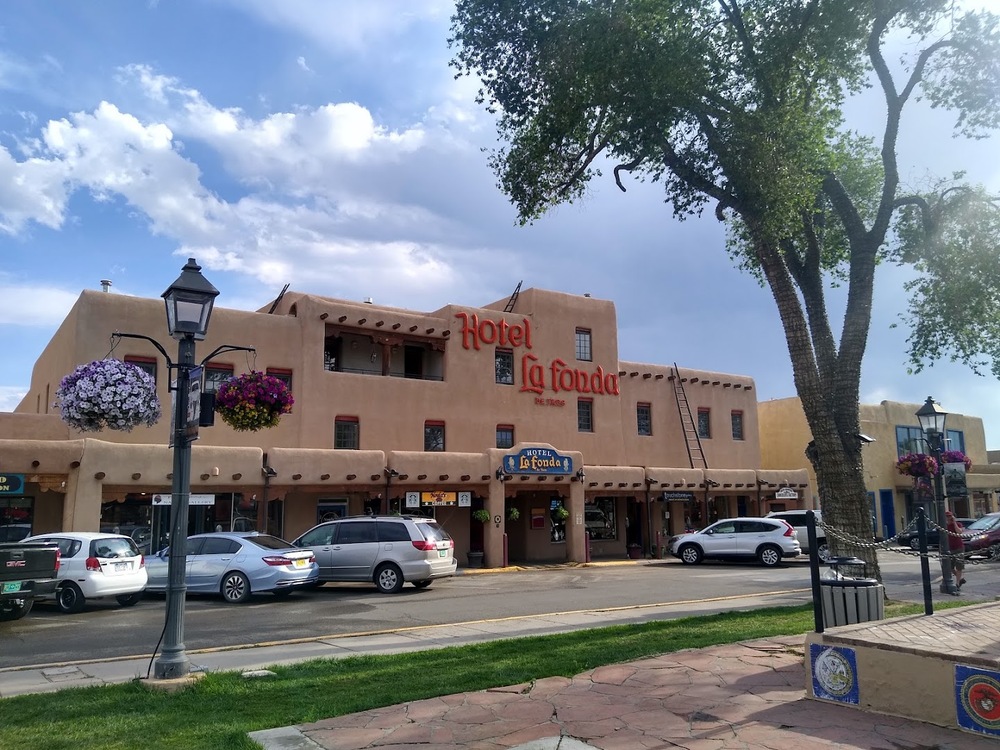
x=991, y=553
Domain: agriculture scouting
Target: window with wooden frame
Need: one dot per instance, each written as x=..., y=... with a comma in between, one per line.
x=584, y=349
x=737, y=419
x=704, y=423
x=505, y=436
x=146, y=364
x=346, y=433
x=644, y=418
x=215, y=375
x=434, y=436
x=504, y=361
x=283, y=374
x=585, y=414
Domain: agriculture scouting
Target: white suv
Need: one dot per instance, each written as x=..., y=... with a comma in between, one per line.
x=768, y=540
x=797, y=520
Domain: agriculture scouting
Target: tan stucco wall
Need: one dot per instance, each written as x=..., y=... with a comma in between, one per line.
x=391, y=411
x=785, y=433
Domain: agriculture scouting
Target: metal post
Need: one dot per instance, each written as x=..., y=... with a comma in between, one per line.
x=174, y=662
x=944, y=551
x=814, y=571
x=925, y=568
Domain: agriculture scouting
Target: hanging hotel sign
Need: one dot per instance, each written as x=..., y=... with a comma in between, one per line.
x=11, y=484
x=786, y=493
x=537, y=461
x=536, y=377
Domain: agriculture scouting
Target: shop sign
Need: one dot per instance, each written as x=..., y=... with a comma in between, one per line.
x=192, y=500
x=537, y=461
x=11, y=484
x=557, y=376
x=678, y=496
x=786, y=493
x=438, y=498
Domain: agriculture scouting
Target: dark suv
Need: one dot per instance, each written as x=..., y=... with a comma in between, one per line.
x=385, y=550
x=983, y=536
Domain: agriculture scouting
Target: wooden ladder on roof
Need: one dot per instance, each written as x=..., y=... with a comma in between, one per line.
x=692, y=441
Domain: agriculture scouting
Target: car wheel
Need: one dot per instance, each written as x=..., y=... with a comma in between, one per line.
x=769, y=555
x=70, y=599
x=15, y=609
x=993, y=553
x=129, y=600
x=915, y=543
x=422, y=584
x=823, y=550
x=388, y=578
x=691, y=554
x=235, y=587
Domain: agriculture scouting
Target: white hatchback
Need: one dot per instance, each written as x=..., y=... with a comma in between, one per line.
x=767, y=540
x=96, y=565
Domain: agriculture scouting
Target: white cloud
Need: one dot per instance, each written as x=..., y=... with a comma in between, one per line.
x=25, y=305
x=10, y=396
x=301, y=62
x=347, y=25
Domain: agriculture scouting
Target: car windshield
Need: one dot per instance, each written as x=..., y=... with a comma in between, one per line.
x=268, y=542
x=984, y=524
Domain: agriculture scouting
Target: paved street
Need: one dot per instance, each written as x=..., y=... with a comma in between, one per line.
x=105, y=630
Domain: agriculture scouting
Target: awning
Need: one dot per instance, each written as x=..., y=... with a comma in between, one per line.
x=731, y=479
x=614, y=478
x=675, y=478
x=771, y=478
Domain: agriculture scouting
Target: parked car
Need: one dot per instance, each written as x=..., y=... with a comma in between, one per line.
x=14, y=532
x=27, y=571
x=238, y=564
x=983, y=536
x=797, y=520
x=386, y=550
x=910, y=538
x=767, y=540
x=94, y=565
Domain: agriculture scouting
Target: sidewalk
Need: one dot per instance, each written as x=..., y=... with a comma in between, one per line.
x=747, y=695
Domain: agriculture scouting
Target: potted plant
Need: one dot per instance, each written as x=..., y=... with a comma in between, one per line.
x=513, y=514
x=108, y=393
x=917, y=465
x=482, y=515
x=561, y=514
x=252, y=401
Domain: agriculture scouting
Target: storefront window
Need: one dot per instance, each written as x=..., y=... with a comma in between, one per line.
x=599, y=518
x=557, y=516
x=16, y=517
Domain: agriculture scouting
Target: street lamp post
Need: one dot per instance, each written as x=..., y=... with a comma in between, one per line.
x=932, y=418
x=189, y=302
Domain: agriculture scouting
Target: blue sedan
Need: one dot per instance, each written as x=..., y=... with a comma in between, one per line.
x=236, y=565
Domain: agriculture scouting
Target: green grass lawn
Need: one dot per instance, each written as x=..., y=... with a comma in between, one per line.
x=217, y=711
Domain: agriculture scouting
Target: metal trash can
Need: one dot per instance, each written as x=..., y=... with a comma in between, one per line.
x=846, y=601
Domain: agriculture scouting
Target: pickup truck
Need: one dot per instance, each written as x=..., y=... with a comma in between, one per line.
x=27, y=570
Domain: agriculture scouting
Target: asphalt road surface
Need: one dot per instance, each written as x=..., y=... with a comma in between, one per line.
x=105, y=630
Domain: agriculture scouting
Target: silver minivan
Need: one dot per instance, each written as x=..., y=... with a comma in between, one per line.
x=386, y=550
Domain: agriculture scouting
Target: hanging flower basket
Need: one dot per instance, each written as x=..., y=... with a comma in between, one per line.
x=513, y=514
x=956, y=457
x=482, y=515
x=253, y=401
x=108, y=393
x=917, y=465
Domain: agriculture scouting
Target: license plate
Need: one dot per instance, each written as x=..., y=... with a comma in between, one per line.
x=121, y=567
x=442, y=553
x=11, y=586
x=299, y=563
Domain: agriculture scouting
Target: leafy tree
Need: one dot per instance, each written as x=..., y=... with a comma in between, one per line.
x=737, y=105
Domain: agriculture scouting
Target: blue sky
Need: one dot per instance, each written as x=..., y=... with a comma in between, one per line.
x=326, y=144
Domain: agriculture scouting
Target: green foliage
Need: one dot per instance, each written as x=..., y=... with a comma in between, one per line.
x=482, y=515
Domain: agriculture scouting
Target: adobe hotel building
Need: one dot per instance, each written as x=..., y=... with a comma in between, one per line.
x=522, y=405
